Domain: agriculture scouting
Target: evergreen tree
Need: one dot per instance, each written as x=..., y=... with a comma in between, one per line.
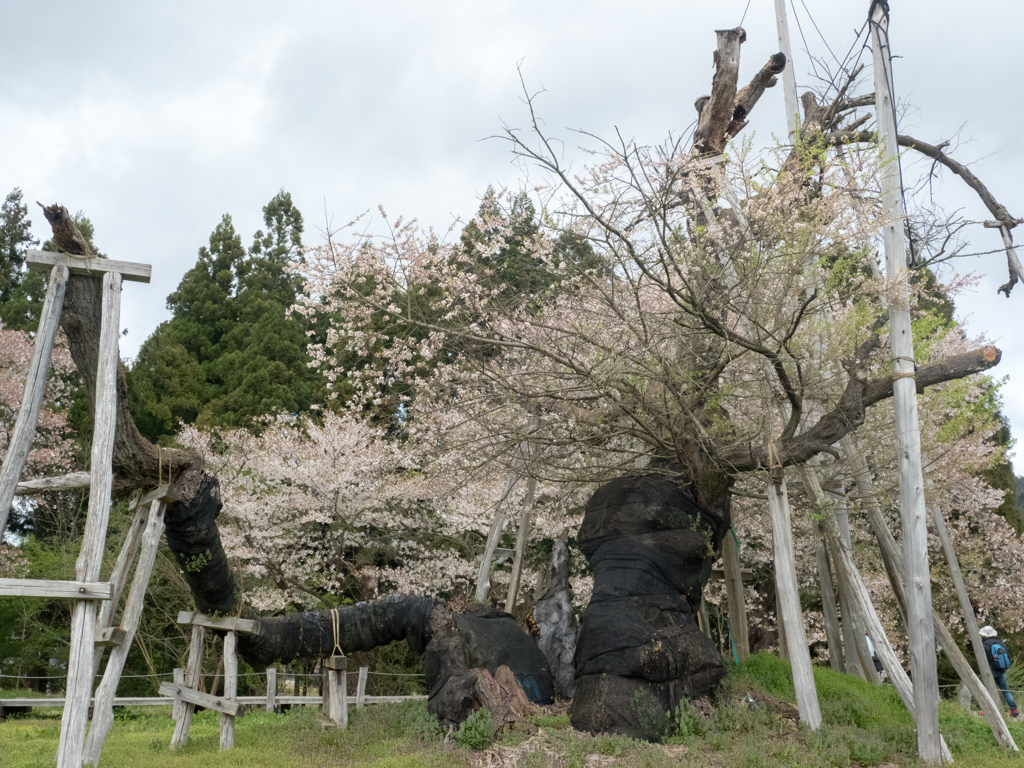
x=21, y=292
x=231, y=352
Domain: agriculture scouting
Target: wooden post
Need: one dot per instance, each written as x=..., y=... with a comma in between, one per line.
x=734, y=594
x=179, y=679
x=908, y=434
x=703, y=620
x=21, y=438
x=788, y=74
x=853, y=623
x=483, y=579
x=970, y=619
x=833, y=633
x=227, y=722
x=789, y=598
x=361, y=687
x=90, y=558
x=521, y=539
x=192, y=670
x=843, y=558
x=336, y=690
x=119, y=577
x=893, y=557
x=271, y=689
x=779, y=624
x=103, y=710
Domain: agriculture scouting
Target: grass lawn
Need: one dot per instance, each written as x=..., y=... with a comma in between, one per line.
x=752, y=726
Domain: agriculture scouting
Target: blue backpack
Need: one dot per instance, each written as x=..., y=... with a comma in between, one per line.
x=1000, y=656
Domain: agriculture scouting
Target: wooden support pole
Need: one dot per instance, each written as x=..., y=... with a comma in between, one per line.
x=119, y=577
x=970, y=620
x=192, y=674
x=521, y=539
x=179, y=680
x=734, y=593
x=833, y=632
x=483, y=578
x=894, y=566
x=361, y=687
x=90, y=558
x=789, y=73
x=917, y=577
x=703, y=619
x=789, y=598
x=20, y=442
x=854, y=635
x=227, y=722
x=103, y=710
x=271, y=689
x=845, y=565
x=71, y=482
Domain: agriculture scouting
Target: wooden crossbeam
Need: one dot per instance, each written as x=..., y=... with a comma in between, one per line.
x=69, y=482
x=200, y=699
x=167, y=493
x=110, y=637
x=339, y=663
x=78, y=590
x=44, y=261
x=230, y=623
x=719, y=573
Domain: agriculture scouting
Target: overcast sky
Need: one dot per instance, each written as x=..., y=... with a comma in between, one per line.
x=157, y=118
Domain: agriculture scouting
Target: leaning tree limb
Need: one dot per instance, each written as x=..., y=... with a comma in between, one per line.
x=997, y=209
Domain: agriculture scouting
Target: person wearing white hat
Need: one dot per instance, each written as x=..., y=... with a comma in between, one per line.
x=999, y=660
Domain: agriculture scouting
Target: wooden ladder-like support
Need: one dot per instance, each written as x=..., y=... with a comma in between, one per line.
x=186, y=694
x=90, y=624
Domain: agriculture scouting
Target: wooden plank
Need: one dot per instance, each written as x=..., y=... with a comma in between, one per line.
x=339, y=663
x=342, y=700
x=227, y=722
x=179, y=679
x=271, y=689
x=103, y=711
x=231, y=623
x=332, y=696
x=789, y=599
x=747, y=574
x=197, y=698
x=361, y=687
x=20, y=442
x=75, y=590
x=119, y=577
x=43, y=261
x=167, y=493
x=110, y=637
x=90, y=558
x=70, y=482
x=192, y=670
x=733, y=575
x=917, y=576
x=854, y=636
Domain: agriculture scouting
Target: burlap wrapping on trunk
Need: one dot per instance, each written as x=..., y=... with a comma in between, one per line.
x=640, y=650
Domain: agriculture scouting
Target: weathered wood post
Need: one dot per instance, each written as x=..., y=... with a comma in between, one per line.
x=521, y=539
x=21, y=438
x=789, y=599
x=227, y=722
x=336, y=690
x=271, y=689
x=734, y=593
x=192, y=670
x=908, y=433
x=361, y=687
x=483, y=579
x=179, y=679
x=83, y=617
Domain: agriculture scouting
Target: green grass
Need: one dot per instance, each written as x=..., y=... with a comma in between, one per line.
x=864, y=725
